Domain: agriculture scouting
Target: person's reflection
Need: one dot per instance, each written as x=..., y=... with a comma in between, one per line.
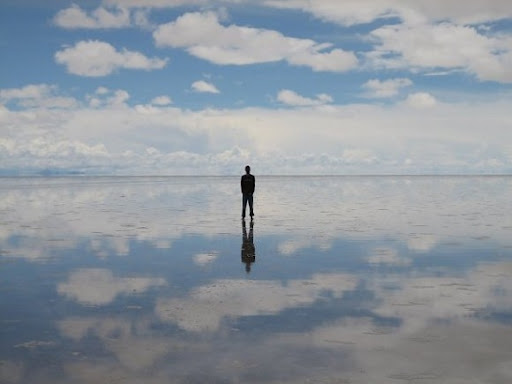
x=248, y=252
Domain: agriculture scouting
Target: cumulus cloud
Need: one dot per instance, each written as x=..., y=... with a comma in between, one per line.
x=318, y=60
x=101, y=90
x=104, y=132
x=37, y=95
x=32, y=91
x=203, y=36
x=421, y=100
x=433, y=35
x=103, y=97
x=204, y=87
x=161, y=100
x=351, y=12
x=292, y=98
x=444, y=45
x=161, y=3
x=386, y=88
x=95, y=58
x=50, y=151
x=75, y=17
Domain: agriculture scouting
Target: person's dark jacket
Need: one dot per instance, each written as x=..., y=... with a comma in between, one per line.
x=247, y=184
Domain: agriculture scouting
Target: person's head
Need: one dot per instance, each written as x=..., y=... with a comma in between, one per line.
x=247, y=169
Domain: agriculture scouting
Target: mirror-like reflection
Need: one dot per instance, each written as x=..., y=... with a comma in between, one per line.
x=248, y=252
x=358, y=280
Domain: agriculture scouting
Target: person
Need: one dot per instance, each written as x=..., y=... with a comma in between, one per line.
x=247, y=184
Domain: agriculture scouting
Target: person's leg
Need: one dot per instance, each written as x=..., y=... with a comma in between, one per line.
x=250, y=205
x=244, y=204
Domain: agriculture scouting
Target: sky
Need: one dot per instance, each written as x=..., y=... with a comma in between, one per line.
x=204, y=87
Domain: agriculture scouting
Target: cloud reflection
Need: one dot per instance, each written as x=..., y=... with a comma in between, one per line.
x=420, y=300
x=433, y=342
x=202, y=259
x=206, y=306
x=95, y=286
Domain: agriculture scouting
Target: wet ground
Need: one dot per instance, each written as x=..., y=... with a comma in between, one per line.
x=337, y=280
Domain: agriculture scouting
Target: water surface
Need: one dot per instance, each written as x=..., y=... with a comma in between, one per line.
x=337, y=280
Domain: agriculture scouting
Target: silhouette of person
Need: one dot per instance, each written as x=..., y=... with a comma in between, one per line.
x=247, y=183
x=248, y=252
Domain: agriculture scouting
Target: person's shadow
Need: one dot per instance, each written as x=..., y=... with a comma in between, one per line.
x=248, y=253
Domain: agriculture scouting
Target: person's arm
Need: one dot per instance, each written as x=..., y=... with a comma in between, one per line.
x=242, y=184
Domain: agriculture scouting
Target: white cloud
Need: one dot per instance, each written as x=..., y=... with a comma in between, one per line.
x=100, y=287
x=142, y=20
x=202, y=35
x=101, y=90
x=96, y=58
x=37, y=96
x=386, y=88
x=347, y=13
x=160, y=3
x=76, y=17
x=104, y=132
x=32, y=91
x=467, y=12
x=50, y=151
x=421, y=100
x=433, y=35
x=104, y=97
x=204, y=87
x=292, y=98
x=350, y=12
x=335, y=60
x=445, y=45
x=119, y=98
x=161, y=100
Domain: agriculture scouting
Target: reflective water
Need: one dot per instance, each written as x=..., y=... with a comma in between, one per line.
x=337, y=280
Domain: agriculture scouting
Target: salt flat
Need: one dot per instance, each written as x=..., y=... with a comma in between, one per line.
x=337, y=280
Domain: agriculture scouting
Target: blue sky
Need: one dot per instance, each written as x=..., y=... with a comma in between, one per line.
x=288, y=86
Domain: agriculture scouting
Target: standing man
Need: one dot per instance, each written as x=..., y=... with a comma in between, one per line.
x=247, y=184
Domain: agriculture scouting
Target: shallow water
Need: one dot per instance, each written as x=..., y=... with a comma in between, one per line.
x=337, y=280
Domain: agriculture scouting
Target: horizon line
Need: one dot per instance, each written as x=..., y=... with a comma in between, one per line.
x=99, y=175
